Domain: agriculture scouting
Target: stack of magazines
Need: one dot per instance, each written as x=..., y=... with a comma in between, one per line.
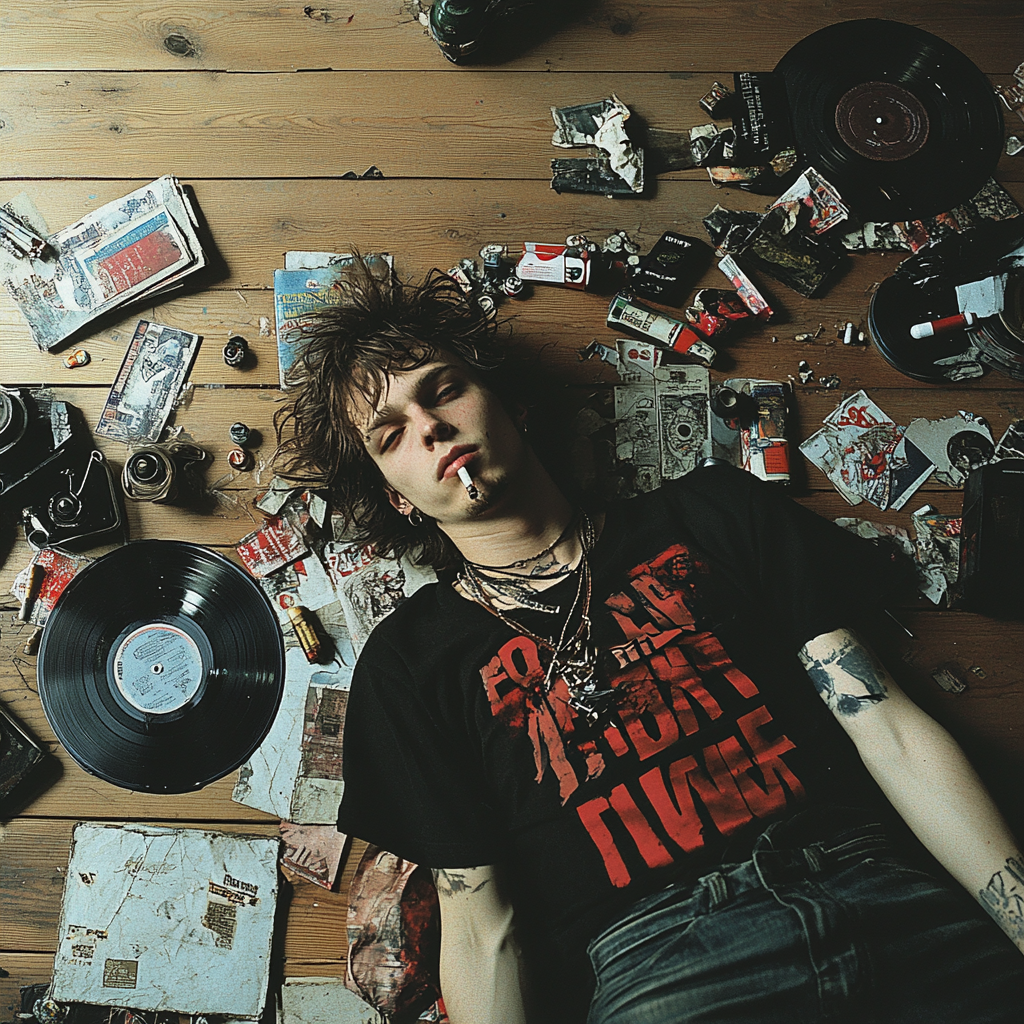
x=137, y=247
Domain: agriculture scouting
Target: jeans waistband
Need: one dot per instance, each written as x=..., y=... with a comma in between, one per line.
x=772, y=863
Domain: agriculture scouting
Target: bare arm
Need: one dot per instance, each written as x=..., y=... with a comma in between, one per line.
x=481, y=974
x=924, y=773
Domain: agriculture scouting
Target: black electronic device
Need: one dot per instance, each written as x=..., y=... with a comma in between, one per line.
x=161, y=667
x=992, y=541
x=33, y=430
x=902, y=123
x=20, y=756
x=52, y=476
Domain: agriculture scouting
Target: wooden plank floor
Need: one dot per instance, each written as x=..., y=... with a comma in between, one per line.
x=261, y=109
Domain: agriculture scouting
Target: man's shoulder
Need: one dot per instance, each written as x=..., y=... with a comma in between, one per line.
x=708, y=490
x=420, y=612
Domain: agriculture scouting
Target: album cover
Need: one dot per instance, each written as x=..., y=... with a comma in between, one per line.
x=167, y=919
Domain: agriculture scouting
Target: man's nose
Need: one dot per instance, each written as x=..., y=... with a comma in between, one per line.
x=433, y=428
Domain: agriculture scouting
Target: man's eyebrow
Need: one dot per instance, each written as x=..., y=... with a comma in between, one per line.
x=386, y=412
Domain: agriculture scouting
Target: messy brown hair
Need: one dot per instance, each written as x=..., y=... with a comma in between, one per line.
x=379, y=327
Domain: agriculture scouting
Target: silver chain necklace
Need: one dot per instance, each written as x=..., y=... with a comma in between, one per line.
x=574, y=656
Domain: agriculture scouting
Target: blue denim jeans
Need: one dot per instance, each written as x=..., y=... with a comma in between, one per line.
x=833, y=929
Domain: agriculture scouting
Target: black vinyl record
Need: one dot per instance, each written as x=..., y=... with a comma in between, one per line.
x=902, y=123
x=161, y=667
x=896, y=306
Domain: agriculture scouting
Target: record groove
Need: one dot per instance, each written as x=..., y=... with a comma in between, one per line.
x=161, y=667
x=901, y=122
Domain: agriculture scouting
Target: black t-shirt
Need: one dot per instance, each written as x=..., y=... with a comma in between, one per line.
x=703, y=592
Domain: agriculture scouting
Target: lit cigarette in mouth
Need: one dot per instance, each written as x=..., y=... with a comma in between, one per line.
x=467, y=482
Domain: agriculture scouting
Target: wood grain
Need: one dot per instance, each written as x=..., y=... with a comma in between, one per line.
x=603, y=35
x=495, y=125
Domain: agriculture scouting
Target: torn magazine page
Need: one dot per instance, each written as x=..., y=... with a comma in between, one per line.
x=662, y=420
x=278, y=542
x=1011, y=444
x=956, y=444
x=602, y=124
x=167, y=919
x=374, y=589
x=312, y=852
x=144, y=393
x=866, y=455
x=938, y=553
x=302, y=292
x=125, y=249
x=282, y=777
x=898, y=536
x=812, y=191
x=273, y=499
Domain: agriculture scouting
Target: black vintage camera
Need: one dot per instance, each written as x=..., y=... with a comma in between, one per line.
x=52, y=475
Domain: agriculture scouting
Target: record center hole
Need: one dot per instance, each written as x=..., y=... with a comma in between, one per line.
x=879, y=120
x=157, y=669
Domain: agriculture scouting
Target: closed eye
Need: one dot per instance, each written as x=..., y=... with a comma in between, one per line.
x=388, y=439
x=449, y=391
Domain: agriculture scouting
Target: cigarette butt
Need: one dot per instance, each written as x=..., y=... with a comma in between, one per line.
x=949, y=323
x=35, y=578
x=467, y=482
x=32, y=643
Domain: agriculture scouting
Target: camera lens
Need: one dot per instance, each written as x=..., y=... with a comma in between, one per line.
x=146, y=468
x=65, y=509
x=13, y=419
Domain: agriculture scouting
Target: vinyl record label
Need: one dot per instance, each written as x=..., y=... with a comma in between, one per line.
x=158, y=668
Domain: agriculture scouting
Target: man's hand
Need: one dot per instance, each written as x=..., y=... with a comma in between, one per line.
x=481, y=974
x=924, y=773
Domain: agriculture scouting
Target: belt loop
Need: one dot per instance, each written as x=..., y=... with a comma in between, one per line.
x=815, y=859
x=718, y=890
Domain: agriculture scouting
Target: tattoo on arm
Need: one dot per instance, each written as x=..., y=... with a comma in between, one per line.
x=1003, y=898
x=849, y=658
x=455, y=881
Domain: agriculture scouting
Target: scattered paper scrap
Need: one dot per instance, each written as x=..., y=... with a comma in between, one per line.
x=602, y=124
x=866, y=455
x=956, y=445
x=938, y=553
x=280, y=541
x=312, y=852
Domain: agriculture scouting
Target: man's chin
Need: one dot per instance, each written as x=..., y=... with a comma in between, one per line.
x=490, y=496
